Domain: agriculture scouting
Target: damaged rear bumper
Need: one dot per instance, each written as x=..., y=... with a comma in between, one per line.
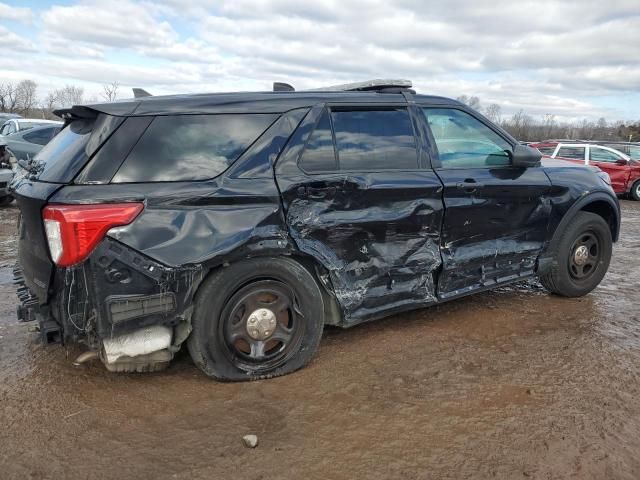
x=119, y=303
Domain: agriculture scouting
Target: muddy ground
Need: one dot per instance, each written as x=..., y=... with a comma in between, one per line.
x=513, y=383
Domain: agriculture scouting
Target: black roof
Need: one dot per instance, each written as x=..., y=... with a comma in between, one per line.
x=244, y=102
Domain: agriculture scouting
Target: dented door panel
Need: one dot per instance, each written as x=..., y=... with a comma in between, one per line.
x=377, y=235
x=494, y=227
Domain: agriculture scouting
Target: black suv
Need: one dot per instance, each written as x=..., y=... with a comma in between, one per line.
x=242, y=223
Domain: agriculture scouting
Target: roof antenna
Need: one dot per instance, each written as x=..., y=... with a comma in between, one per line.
x=140, y=93
x=282, y=87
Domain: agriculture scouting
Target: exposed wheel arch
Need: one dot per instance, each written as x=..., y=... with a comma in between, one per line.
x=332, y=311
x=599, y=203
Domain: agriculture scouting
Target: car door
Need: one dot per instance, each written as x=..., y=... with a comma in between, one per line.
x=613, y=163
x=496, y=215
x=360, y=199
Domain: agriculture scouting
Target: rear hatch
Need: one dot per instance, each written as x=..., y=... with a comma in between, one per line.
x=37, y=180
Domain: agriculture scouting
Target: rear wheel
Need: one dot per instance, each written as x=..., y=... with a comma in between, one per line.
x=635, y=191
x=256, y=319
x=582, y=255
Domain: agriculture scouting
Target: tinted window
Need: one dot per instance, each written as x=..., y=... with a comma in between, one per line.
x=601, y=155
x=72, y=146
x=66, y=153
x=5, y=129
x=319, y=154
x=576, y=153
x=465, y=142
x=190, y=147
x=369, y=140
x=40, y=136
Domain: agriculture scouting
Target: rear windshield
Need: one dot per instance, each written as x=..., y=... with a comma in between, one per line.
x=191, y=147
x=63, y=157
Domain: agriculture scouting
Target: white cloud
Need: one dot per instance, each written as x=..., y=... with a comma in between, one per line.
x=17, y=14
x=546, y=56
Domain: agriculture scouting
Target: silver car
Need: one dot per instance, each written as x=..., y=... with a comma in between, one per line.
x=26, y=144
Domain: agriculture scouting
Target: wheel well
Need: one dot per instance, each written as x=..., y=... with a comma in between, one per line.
x=606, y=211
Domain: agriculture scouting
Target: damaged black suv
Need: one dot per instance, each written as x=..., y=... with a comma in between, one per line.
x=242, y=223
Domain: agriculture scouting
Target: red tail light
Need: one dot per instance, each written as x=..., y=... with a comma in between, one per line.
x=73, y=231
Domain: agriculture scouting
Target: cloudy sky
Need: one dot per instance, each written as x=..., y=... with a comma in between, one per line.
x=574, y=59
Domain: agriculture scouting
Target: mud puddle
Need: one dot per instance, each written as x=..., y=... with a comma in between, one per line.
x=513, y=383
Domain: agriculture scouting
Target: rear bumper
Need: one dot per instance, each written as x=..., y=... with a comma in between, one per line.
x=116, y=291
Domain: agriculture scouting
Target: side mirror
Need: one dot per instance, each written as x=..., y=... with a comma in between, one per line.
x=622, y=161
x=525, y=156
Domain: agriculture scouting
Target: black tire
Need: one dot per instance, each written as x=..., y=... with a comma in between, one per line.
x=6, y=200
x=635, y=191
x=569, y=278
x=222, y=343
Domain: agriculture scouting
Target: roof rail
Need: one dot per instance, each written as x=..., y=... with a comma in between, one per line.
x=376, y=84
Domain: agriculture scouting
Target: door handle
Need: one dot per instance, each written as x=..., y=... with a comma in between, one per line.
x=469, y=185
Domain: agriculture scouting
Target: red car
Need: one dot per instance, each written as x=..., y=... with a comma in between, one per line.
x=624, y=171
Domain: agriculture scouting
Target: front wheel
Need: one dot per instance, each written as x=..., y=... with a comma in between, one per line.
x=581, y=256
x=259, y=318
x=635, y=191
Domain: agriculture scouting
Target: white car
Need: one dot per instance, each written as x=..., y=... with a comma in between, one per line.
x=15, y=125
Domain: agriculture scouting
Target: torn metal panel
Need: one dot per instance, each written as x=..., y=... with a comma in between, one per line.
x=494, y=228
x=378, y=241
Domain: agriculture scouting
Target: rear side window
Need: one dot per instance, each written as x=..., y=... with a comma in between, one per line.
x=634, y=152
x=601, y=155
x=319, y=154
x=191, y=147
x=575, y=153
x=370, y=140
x=66, y=153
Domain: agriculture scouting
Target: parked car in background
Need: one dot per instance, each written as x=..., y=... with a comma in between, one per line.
x=622, y=169
x=6, y=174
x=25, y=144
x=7, y=116
x=630, y=149
x=15, y=125
x=240, y=224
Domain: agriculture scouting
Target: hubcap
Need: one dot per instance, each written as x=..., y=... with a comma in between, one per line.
x=581, y=256
x=261, y=323
x=585, y=256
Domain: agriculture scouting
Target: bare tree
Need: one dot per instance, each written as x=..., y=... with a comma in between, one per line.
x=110, y=91
x=473, y=101
x=494, y=112
x=548, y=126
x=64, y=97
x=19, y=97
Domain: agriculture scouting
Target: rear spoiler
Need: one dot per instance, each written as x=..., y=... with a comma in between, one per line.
x=140, y=93
x=75, y=112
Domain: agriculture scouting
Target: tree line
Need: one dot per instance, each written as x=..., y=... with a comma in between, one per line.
x=529, y=129
x=22, y=98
